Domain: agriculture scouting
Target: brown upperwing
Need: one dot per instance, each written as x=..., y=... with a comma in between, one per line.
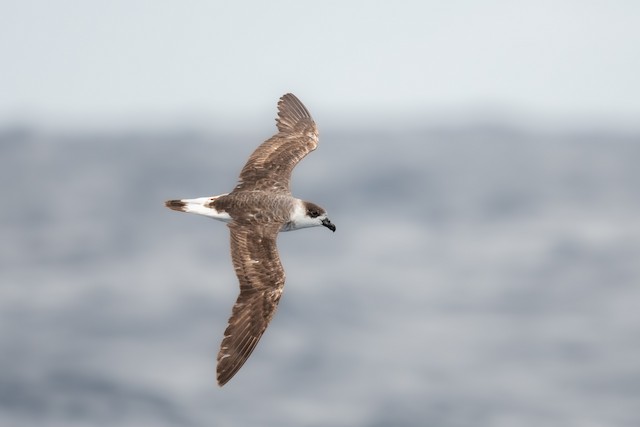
x=269, y=167
x=261, y=276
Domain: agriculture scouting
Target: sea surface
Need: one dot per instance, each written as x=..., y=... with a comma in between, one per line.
x=480, y=275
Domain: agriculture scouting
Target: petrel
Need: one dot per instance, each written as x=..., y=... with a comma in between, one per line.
x=257, y=209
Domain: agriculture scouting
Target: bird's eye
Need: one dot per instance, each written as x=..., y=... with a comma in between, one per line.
x=314, y=214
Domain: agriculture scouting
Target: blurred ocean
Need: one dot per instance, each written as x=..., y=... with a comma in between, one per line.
x=480, y=275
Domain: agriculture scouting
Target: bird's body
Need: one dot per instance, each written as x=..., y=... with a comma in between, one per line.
x=257, y=209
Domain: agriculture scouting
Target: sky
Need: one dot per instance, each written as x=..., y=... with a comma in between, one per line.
x=358, y=60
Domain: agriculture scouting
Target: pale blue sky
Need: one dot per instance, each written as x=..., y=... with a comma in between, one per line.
x=77, y=60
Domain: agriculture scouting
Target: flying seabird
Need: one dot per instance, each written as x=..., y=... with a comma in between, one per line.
x=260, y=206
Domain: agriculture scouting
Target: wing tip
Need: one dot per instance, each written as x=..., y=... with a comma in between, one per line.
x=290, y=111
x=228, y=367
x=223, y=378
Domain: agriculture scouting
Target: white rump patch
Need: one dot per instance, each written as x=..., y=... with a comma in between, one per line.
x=200, y=206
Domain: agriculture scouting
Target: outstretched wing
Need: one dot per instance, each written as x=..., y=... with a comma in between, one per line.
x=270, y=165
x=257, y=265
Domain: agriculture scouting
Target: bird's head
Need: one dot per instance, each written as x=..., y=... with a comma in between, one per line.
x=309, y=214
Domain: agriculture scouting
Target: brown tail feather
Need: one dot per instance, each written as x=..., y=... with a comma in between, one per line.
x=176, y=205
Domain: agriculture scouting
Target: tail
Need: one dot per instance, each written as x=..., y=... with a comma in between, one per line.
x=176, y=205
x=202, y=206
